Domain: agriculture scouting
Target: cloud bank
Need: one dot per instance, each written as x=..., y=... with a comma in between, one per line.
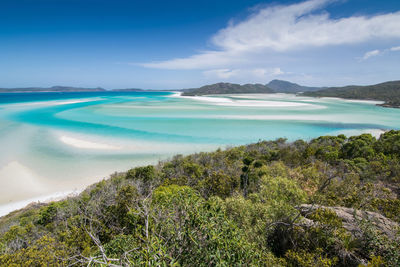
x=279, y=29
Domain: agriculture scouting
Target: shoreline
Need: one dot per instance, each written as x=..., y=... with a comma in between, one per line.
x=375, y=102
x=14, y=206
x=25, y=185
x=6, y=209
x=381, y=103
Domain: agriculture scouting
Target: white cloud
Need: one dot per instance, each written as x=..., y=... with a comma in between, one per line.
x=200, y=61
x=258, y=74
x=378, y=52
x=285, y=28
x=220, y=73
x=372, y=53
x=277, y=71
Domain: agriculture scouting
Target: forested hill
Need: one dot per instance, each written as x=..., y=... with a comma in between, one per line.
x=389, y=92
x=333, y=201
x=280, y=86
x=228, y=88
x=50, y=89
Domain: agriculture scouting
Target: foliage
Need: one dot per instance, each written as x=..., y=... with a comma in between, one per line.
x=229, y=88
x=388, y=92
x=234, y=207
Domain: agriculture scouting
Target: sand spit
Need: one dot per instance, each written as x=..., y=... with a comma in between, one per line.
x=78, y=143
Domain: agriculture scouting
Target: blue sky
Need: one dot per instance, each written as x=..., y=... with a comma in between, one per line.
x=182, y=44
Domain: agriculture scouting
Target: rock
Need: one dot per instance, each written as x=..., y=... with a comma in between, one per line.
x=351, y=218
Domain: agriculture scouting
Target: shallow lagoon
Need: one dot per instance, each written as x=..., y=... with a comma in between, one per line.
x=56, y=143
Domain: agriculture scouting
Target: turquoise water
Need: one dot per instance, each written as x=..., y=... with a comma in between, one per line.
x=57, y=142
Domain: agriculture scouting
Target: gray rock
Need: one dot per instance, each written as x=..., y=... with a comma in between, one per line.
x=351, y=218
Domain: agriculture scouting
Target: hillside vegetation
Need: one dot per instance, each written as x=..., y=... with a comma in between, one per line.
x=333, y=201
x=228, y=88
x=275, y=86
x=280, y=86
x=389, y=92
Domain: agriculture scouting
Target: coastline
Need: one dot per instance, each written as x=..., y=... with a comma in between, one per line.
x=6, y=209
x=14, y=206
x=380, y=103
x=386, y=105
x=43, y=188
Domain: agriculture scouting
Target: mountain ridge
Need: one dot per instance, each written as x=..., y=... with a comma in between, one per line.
x=228, y=88
x=281, y=86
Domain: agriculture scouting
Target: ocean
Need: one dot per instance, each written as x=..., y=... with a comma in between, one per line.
x=58, y=143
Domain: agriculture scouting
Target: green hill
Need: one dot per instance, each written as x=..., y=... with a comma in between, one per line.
x=228, y=88
x=280, y=86
x=333, y=201
x=389, y=92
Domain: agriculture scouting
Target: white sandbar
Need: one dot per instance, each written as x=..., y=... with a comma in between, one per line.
x=86, y=144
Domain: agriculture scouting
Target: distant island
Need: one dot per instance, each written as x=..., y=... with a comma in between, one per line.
x=389, y=92
x=275, y=86
x=66, y=89
x=228, y=88
x=280, y=86
x=50, y=89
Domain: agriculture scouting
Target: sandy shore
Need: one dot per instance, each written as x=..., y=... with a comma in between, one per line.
x=372, y=102
x=20, y=185
x=7, y=208
x=78, y=143
x=374, y=132
x=236, y=101
x=26, y=186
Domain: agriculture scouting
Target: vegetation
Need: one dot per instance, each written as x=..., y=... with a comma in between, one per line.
x=389, y=92
x=229, y=88
x=280, y=86
x=271, y=203
x=275, y=86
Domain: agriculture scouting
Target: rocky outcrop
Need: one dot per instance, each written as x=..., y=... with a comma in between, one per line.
x=351, y=218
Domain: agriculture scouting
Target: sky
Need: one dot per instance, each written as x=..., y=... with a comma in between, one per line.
x=158, y=44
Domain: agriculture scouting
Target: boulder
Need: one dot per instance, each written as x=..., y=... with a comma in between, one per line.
x=351, y=218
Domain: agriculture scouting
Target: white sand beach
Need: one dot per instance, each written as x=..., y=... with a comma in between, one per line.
x=20, y=185
x=78, y=143
x=374, y=132
x=7, y=208
x=237, y=102
x=27, y=187
x=372, y=102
